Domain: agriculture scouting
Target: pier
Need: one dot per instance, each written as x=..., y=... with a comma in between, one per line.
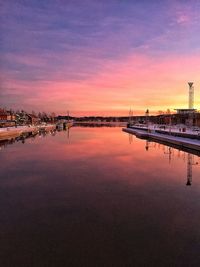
x=162, y=136
x=169, y=130
x=12, y=132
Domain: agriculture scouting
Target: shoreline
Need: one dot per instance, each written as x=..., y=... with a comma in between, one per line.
x=189, y=143
x=12, y=132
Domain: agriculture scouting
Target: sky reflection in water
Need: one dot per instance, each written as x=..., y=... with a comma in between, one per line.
x=97, y=199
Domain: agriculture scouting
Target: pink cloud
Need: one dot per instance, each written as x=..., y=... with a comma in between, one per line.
x=183, y=19
x=139, y=81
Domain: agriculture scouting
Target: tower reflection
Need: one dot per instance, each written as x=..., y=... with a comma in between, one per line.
x=190, y=163
x=190, y=158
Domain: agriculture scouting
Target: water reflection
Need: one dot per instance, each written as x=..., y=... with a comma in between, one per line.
x=94, y=124
x=95, y=200
x=192, y=159
x=190, y=163
x=42, y=133
x=24, y=137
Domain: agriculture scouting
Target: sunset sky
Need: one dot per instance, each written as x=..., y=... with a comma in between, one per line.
x=99, y=57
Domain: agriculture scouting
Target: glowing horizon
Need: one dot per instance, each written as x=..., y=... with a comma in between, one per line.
x=97, y=58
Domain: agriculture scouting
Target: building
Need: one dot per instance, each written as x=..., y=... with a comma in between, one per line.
x=183, y=111
x=7, y=118
x=32, y=119
x=188, y=116
x=24, y=118
x=7, y=115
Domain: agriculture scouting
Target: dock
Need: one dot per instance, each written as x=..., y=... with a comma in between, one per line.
x=182, y=142
x=13, y=132
x=47, y=128
x=172, y=131
x=100, y=123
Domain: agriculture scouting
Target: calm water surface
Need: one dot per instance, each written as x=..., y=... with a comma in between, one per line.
x=98, y=198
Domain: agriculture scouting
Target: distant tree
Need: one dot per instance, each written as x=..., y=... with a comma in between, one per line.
x=40, y=115
x=52, y=116
x=44, y=116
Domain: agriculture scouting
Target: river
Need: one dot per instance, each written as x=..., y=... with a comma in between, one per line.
x=97, y=196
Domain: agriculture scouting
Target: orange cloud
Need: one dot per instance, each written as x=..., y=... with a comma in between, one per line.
x=139, y=81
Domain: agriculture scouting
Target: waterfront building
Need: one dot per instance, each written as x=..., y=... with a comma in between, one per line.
x=7, y=118
x=24, y=118
x=7, y=115
x=32, y=119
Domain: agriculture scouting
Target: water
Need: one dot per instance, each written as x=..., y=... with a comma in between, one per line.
x=98, y=197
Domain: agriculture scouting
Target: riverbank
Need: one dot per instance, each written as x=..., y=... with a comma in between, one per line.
x=12, y=132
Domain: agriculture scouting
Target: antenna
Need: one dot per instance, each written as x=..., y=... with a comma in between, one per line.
x=191, y=95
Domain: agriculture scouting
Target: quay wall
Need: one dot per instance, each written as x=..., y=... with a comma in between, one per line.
x=169, y=139
x=12, y=132
x=168, y=132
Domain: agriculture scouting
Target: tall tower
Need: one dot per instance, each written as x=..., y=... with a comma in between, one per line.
x=191, y=95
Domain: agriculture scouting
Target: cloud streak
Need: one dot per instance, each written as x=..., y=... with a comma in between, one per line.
x=97, y=55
